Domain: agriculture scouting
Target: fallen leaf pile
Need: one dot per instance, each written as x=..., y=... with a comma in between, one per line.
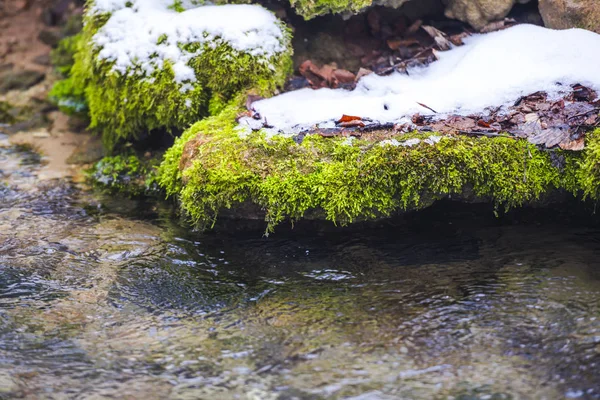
x=404, y=46
x=561, y=123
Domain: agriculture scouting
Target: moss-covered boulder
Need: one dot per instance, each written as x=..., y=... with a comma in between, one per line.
x=216, y=165
x=160, y=64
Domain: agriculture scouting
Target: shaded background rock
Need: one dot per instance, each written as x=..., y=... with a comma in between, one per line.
x=565, y=14
x=479, y=13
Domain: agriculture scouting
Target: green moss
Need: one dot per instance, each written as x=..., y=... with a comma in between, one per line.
x=122, y=106
x=6, y=117
x=169, y=173
x=63, y=55
x=312, y=8
x=67, y=93
x=346, y=183
x=69, y=96
x=126, y=175
x=589, y=172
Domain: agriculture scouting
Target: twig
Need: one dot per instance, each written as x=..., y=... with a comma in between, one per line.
x=583, y=114
x=427, y=107
x=404, y=63
x=489, y=134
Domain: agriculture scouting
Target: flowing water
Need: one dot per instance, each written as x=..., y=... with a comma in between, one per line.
x=104, y=298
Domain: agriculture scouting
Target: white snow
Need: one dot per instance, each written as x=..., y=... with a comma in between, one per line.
x=431, y=140
x=490, y=70
x=130, y=37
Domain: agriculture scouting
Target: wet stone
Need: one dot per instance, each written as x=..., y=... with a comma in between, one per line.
x=50, y=37
x=19, y=80
x=43, y=59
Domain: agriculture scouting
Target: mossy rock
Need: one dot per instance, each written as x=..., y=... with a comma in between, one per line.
x=212, y=168
x=126, y=175
x=313, y=8
x=69, y=96
x=63, y=56
x=125, y=100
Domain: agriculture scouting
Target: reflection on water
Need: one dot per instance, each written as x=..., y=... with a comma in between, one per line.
x=98, y=304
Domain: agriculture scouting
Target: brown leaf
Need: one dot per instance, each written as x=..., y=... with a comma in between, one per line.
x=498, y=25
x=395, y=44
x=483, y=123
x=575, y=145
x=550, y=137
x=418, y=119
x=326, y=72
x=363, y=72
x=329, y=132
x=251, y=99
x=312, y=74
x=583, y=93
x=438, y=36
x=343, y=76
x=243, y=114
x=352, y=124
x=461, y=123
x=348, y=118
x=457, y=39
x=326, y=76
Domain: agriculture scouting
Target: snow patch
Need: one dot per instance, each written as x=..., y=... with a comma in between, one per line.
x=431, y=140
x=141, y=37
x=489, y=70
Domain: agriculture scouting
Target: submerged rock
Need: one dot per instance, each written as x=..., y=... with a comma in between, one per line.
x=565, y=14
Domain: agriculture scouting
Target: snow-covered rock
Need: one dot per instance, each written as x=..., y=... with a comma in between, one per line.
x=490, y=70
x=163, y=64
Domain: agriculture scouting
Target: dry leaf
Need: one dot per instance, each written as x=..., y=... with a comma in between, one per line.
x=348, y=118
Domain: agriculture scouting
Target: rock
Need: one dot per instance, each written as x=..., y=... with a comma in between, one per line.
x=88, y=152
x=43, y=59
x=19, y=80
x=37, y=120
x=565, y=14
x=206, y=74
x=55, y=13
x=7, y=384
x=479, y=13
x=50, y=37
x=6, y=116
x=411, y=8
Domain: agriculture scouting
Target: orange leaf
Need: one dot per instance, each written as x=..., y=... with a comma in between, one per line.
x=348, y=118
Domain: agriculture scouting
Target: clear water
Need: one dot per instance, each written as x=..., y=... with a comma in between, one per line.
x=102, y=298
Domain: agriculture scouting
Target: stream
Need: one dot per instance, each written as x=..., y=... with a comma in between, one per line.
x=111, y=298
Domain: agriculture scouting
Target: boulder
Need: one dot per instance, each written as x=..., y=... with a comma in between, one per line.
x=145, y=66
x=479, y=13
x=565, y=14
x=218, y=168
